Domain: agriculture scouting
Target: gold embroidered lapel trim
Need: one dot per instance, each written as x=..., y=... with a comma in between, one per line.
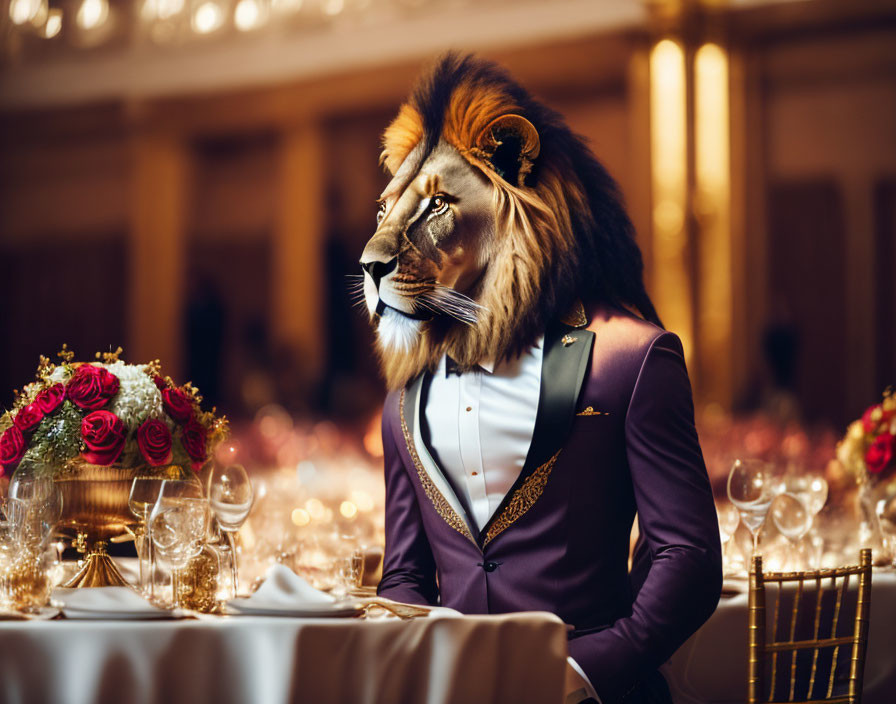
x=523, y=499
x=439, y=502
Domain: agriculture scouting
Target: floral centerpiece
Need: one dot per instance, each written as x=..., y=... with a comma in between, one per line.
x=868, y=452
x=92, y=426
x=106, y=413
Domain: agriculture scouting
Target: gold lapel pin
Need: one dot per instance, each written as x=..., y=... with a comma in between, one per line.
x=567, y=340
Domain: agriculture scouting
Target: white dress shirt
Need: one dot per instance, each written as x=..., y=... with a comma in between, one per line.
x=496, y=403
x=480, y=427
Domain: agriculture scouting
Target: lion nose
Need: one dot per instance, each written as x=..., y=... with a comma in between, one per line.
x=378, y=270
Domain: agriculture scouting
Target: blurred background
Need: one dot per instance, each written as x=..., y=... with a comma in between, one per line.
x=194, y=179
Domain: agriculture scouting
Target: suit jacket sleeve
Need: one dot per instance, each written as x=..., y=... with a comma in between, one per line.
x=678, y=523
x=408, y=565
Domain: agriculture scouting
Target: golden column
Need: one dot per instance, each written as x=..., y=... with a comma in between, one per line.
x=691, y=260
x=161, y=180
x=298, y=262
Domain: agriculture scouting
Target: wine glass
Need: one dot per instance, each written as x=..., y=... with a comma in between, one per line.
x=230, y=497
x=145, y=491
x=812, y=490
x=729, y=520
x=178, y=533
x=36, y=503
x=172, y=492
x=792, y=518
x=750, y=489
x=818, y=494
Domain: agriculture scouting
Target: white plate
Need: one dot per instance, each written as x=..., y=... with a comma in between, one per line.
x=326, y=610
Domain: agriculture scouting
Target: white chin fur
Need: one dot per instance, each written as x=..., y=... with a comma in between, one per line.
x=371, y=297
x=395, y=332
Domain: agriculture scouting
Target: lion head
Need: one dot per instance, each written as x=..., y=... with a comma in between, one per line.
x=497, y=219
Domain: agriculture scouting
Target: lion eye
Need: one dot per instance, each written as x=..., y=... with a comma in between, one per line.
x=380, y=212
x=438, y=204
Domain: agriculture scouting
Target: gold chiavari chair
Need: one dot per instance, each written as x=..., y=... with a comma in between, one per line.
x=794, y=678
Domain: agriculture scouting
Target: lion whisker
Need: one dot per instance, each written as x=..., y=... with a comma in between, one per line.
x=442, y=299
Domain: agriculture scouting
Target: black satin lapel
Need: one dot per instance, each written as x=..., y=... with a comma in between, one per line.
x=563, y=370
x=564, y=364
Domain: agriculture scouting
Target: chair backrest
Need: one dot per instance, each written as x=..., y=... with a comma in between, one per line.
x=811, y=631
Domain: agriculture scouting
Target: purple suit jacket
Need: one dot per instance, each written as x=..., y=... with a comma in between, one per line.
x=614, y=438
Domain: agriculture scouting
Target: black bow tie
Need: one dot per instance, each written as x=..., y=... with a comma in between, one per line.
x=451, y=367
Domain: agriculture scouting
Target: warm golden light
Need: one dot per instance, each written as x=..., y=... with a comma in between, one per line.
x=300, y=517
x=54, y=23
x=248, y=15
x=208, y=17
x=23, y=11
x=712, y=165
x=363, y=500
x=315, y=508
x=668, y=151
x=92, y=14
x=333, y=7
x=348, y=509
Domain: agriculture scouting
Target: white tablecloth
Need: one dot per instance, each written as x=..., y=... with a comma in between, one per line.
x=516, y=658
x=711, y=668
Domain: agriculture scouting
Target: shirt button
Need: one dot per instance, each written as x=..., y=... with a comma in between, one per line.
x=490, y=566
x=469, y=408
x=473, y=474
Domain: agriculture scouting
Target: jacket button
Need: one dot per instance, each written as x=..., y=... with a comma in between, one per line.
x=490, y=566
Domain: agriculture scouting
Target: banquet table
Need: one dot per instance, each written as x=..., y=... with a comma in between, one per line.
x=711, y=667
x=246, y=659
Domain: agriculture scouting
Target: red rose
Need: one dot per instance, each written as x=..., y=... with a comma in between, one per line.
x=868, y=424
x=194, y=440
x=50, y=398
x=28, y=418
x=154, y=441
x=177, y=405
x=91, y=387
x=159, y=382
x=12, y=448
x=104, y=435
x=880, y=453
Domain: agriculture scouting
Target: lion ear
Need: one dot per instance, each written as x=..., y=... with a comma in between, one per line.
x=510, y=143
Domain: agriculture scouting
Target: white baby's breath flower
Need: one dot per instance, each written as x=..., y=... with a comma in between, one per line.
x=138, y=399
x=59, y=375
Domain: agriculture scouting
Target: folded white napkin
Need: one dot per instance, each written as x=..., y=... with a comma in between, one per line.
x=104, y=600
x=283, y=589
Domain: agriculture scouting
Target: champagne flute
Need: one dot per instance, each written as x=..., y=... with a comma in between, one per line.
x=750, y=489
x=145, y=491
x=230, y=497
x=792, y=518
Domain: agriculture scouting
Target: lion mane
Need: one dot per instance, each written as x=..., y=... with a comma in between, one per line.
x=563, y=237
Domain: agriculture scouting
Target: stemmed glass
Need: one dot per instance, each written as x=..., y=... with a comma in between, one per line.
x=145, y=491
x=178, y=533
x=35, y=505
x=792, y=518
x=230, y=497
x=812, y=490
x=751, y=490
x=172, y=493
x=729, y=520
